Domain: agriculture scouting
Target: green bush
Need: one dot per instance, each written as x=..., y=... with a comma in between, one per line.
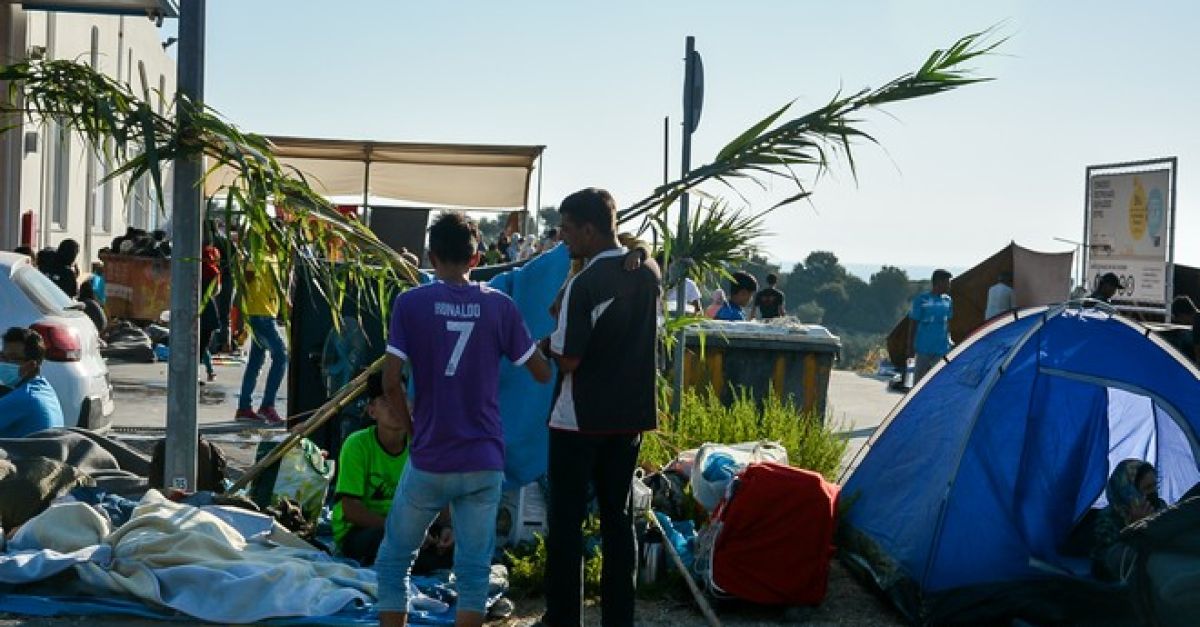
x=810, y=443
x=527, y=564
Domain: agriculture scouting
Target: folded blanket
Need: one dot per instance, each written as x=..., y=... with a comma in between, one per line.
x=190, y=560
x=115, y=467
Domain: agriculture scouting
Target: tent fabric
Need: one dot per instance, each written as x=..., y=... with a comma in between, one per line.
x=1039, y=279
x=982, y=472
x=458, y=175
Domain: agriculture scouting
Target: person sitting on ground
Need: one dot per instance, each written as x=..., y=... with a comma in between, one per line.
x=91, y=307
x=741, y=289
x=1132, y=494
x=768, y=303
x=31, y=404
x=718, y=301
x=369, y=469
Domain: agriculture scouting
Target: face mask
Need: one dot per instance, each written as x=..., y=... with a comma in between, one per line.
x=10, y=374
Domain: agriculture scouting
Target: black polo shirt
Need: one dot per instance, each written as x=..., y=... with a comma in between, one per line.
x=608, y=320
x=769, y=302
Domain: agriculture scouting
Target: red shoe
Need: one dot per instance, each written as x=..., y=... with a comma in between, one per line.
x=246, y=415
x=270, y=416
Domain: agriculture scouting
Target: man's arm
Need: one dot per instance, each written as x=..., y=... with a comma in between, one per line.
x=357, y=514
x=393, y=388
x=538, y=367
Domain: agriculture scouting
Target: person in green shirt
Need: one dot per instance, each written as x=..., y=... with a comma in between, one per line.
x=369, y=469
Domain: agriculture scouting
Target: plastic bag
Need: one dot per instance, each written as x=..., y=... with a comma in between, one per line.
x=717, y=464
x=303, y=475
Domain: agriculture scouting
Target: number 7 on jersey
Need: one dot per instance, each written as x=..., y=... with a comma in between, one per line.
x=463, y=329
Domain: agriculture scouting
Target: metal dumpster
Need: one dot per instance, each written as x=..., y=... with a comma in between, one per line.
x=788, y=359
x=139, y=288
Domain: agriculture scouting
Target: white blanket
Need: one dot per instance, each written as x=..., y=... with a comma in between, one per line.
x=190, y=560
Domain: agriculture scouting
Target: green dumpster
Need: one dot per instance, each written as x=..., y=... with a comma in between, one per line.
x=786, y=358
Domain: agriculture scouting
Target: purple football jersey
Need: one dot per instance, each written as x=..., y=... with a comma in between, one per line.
x=454, y=337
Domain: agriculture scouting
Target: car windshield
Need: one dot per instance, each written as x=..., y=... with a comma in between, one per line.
x=41, y=290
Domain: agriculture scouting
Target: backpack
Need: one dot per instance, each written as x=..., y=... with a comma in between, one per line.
x=210, y=466
x=771, y=538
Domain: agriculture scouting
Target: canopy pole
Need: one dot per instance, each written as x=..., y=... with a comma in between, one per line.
x=367, y=189
x=541, y=162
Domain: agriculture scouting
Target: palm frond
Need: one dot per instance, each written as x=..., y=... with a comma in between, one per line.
x=765, y=151
x=138, y=142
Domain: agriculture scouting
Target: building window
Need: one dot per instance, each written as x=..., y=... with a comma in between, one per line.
x=60, y=174
x=101, y=189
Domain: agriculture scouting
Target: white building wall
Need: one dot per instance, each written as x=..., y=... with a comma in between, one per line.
x=73, y=204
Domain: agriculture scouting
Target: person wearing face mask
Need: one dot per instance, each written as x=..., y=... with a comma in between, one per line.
x=31, y=404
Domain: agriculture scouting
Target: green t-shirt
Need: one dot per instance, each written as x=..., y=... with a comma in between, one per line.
x=367, y=472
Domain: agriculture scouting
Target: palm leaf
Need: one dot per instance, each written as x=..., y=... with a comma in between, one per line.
x=762, y=152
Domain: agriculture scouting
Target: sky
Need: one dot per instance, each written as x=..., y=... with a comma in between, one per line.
x=955, y=178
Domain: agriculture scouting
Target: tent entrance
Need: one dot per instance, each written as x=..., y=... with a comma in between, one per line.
x=1135, y=424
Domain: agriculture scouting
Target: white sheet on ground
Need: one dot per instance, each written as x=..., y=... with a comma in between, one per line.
x=185, y=558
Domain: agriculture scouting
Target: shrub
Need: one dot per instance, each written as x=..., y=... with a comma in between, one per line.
x=810, y=443
x=527, y=563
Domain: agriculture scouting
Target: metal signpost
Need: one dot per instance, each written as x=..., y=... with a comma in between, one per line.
x=182, y=394
x=693, y=102
x=1129, y=231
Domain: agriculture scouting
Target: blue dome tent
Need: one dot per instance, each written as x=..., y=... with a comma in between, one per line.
x=973, y=485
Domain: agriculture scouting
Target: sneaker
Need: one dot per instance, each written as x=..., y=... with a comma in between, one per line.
x=212, y=376
x=270, y=416
x=246, y=415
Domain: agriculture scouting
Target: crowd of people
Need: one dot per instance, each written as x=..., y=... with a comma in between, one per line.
x=516, y=247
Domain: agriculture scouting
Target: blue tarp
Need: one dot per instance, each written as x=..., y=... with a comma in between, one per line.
x=42, y=605
x=982, y=473
x=525, y=403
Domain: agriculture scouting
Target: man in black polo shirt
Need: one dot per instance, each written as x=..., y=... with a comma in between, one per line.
x=605, y=348
x=768, y=303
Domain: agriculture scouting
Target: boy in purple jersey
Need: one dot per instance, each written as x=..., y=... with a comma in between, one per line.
x=453, y=333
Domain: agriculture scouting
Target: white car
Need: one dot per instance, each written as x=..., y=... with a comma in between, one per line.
x=73, y=364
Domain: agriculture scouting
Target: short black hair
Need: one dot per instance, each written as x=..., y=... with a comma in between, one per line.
x=553, y=232
x=772, y=278
x=453, y=238
x=375, y=385
x=68, y=249
x=24, y=250
x=592, y=206
x=742, y=282
x=940, y=274
x=31, y=341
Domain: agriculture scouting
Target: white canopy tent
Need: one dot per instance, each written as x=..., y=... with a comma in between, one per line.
x=459, y=175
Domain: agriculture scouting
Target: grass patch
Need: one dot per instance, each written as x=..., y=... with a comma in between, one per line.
x=810, y=443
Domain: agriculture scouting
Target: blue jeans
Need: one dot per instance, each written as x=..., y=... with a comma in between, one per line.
x=265, y=338
x=474, y=498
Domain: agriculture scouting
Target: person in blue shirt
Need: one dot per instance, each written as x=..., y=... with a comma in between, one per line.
x=929, y=324
x=742, y=287
x=31, y=404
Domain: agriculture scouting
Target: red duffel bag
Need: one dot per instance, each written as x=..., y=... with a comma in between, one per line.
x=773, y=536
